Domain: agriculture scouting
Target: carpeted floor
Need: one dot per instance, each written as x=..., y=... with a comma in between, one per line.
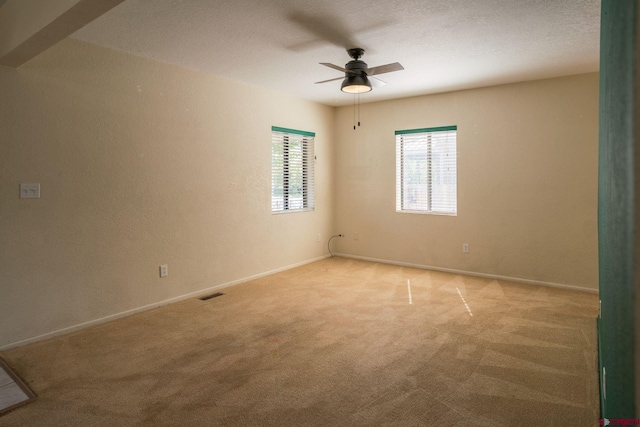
x=336, y=342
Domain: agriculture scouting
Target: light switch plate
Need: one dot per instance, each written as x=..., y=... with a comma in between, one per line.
x=30, y=191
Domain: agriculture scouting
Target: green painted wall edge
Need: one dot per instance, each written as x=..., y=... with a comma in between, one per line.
x=616, y=213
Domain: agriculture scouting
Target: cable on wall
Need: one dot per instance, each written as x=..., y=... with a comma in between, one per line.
x=329, y=242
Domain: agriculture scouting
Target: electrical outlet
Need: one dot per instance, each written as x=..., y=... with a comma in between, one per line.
x=30, y=191
x=465, y=248
x=164, y=270
x=355, y=236
x=319, y=237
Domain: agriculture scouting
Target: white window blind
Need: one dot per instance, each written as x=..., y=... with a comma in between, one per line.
x=292, y=161
x=426, y=170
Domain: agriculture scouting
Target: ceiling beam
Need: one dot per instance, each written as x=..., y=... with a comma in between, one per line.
x=29, y=27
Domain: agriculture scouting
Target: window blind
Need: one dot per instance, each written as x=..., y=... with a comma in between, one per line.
x=292, y=172
x=426, y=170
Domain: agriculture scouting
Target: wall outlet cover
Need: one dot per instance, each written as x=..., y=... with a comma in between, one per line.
x=164, y=270
x=30, y=191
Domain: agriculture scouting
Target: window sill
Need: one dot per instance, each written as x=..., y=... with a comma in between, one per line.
x=427, y=213
x=290, y=211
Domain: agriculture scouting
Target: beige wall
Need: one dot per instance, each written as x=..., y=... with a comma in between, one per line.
x=527, y=182
x=140, y=164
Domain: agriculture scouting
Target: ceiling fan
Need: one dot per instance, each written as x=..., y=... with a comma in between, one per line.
x=358, y=77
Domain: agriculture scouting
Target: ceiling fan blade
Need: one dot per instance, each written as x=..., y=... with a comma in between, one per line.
x=330, y=80
x=387, y=68
x=325, y=27
x=335, y=67
x=328, y=28
x=376, y=82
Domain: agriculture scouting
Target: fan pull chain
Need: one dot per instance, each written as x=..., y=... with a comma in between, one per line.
x=358, y=108
x=354, y=111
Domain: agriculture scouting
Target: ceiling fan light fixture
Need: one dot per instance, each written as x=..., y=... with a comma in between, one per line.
x=356, y=84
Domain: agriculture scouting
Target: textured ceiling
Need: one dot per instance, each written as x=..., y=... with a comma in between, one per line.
x=277, y=44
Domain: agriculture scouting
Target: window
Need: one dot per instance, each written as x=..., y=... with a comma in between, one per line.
x=292, y=160
x=426, y=170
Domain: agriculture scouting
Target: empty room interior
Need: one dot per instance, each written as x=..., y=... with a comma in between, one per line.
x=318, y=212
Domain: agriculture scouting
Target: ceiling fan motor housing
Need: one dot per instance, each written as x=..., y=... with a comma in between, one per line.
x=356, y=67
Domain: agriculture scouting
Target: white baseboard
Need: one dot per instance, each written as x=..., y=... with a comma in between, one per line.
x=151, y=306
x=472, y=273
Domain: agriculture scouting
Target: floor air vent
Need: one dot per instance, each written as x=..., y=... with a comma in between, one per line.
x=217, y=294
